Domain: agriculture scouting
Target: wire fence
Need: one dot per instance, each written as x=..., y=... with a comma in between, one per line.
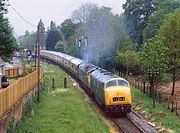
x=161, y=97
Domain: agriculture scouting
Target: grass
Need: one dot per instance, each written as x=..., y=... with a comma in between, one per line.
x=170, y=120
x=11, y=81
x=62, y=110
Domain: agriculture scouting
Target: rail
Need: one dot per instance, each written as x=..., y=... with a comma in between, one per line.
x=10, y=95
x=134, y=123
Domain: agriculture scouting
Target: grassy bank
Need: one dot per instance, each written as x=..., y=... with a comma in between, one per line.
x=62, y=110
x=169, y=120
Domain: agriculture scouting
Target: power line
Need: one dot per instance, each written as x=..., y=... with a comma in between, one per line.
x=21, y=16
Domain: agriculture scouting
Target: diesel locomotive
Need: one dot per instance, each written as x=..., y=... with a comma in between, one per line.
x=110, y=91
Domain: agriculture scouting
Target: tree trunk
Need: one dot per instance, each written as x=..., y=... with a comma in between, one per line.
x=174, y=75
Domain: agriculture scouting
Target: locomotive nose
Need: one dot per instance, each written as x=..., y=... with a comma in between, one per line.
x=117, y=95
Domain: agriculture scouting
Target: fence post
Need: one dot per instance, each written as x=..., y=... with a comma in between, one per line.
x=172, y=107
x=176, y=108
x=147, y=90
x=53, y=86
x=159, y=97
x=144, y=87
x=168, y=103
x=65, y=83
x=138, y=84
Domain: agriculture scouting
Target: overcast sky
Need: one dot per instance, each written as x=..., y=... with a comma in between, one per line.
x=47, y=10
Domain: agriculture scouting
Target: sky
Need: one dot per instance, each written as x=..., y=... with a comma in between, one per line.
x=49, y=10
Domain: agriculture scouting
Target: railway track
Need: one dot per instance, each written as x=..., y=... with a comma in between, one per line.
x=133, y=123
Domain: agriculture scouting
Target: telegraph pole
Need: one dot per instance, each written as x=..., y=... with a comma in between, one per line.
x=38, y=55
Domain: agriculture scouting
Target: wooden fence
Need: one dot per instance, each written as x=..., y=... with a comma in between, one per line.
x=10, y=95
x=11, y=72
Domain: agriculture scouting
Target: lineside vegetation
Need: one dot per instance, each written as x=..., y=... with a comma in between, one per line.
x=62, y=110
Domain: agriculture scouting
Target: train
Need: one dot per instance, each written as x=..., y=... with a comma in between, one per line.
x=111, y=92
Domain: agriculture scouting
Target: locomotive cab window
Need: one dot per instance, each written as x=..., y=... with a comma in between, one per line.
x=111, y=83
x=122, y=83
x=116, y=83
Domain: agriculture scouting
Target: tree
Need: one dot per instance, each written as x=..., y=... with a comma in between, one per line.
x=81, y=15
x=153, y=56
x=72, y=47
x=153, y=59
x=137, y=13
x=53, y=36
x=7, y=41
x=128, y=59
x=157, y=18
x=3, y=8
x=118, y=25
x=61, y=46
x=124, y=43
x=52, y=26
x=28, y=40
x=170, y=32
x=42, y=34
x=68, y=28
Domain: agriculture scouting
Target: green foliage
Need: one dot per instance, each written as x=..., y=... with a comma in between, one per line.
x=137, y=13
x=118, y=25
x=53, y=36
x=128, y=58
x=126, y=55
x=170, y=32
x=3, y=7
x=124, y=43
x=42, y=34
x=28, y=40
x=61, y=46
x=107, y=61
x=68, y=28
x=7, y=41
x=53, y=26
x=156, y=19
x=154, y=55
x=72, y=47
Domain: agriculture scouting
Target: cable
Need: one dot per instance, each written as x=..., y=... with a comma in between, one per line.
x=22, y=16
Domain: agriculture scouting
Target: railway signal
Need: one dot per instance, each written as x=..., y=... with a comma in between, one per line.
x=83, y=47
x=153, y=73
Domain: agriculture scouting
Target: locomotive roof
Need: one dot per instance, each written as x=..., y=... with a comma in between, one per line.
x=76, y=61
x=103, y=75
x=87, y=67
